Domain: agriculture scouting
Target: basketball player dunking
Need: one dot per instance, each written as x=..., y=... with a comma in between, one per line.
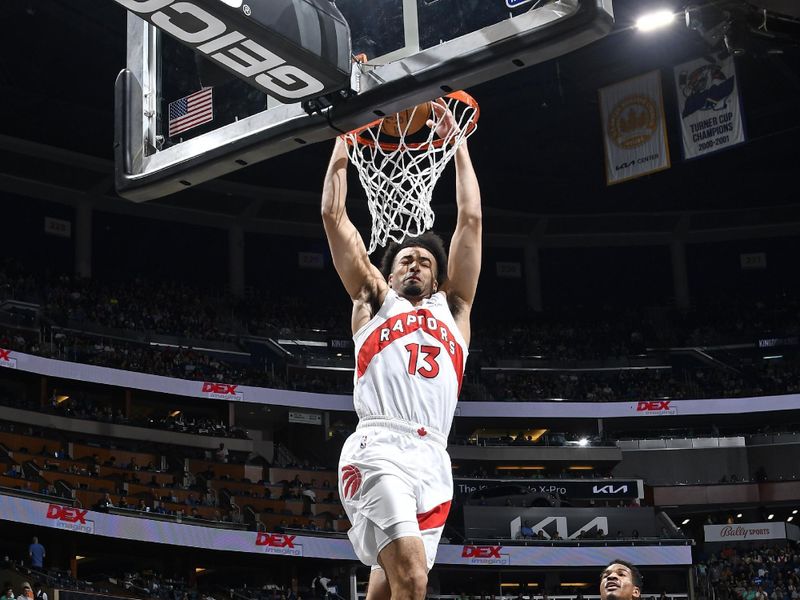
x=411, y=328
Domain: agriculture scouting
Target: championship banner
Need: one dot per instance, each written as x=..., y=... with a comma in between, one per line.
x=709, y=106
x=634, y=128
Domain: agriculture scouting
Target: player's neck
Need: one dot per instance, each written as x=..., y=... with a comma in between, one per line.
x=414, y=300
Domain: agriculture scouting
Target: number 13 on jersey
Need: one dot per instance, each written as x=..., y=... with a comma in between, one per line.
x=427, y=366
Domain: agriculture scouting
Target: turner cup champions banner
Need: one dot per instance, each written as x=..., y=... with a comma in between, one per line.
x=709, y=105
x=634, y=129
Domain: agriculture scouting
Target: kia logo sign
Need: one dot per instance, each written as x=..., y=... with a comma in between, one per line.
x=71, y=519
x=276, y=543
x=656, y=407
x=484, y=555
x=221, y=391
x=610, y=489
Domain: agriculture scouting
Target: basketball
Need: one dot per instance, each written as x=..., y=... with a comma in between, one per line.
x=407, y=121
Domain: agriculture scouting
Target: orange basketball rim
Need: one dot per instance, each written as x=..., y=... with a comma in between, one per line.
x=466, y=102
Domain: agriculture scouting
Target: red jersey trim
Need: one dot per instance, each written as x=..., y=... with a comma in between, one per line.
x=435, y=517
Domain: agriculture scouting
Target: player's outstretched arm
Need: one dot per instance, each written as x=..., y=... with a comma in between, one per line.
x=360, y=277
x=464, y=262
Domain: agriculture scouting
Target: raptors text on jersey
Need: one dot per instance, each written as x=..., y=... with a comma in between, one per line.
x=410, y=363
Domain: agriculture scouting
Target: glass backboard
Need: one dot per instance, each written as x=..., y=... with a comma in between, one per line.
x=416, y=50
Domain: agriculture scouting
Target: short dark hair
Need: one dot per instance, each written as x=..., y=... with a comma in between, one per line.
x=636, y=575
x=428, y=240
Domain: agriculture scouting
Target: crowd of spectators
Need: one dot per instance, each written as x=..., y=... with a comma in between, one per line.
x=736, y=573
x=109, y=324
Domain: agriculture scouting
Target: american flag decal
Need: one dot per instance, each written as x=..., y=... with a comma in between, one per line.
x=351, y=480
x=191, y=111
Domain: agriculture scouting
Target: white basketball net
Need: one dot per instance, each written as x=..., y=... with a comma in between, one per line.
x=399, y=174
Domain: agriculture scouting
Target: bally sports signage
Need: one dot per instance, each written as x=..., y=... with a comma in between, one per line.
x=609, y=489
x=79, y=521
x=748, y=532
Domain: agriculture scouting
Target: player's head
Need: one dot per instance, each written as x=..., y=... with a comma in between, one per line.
x=416, y=267
x=620, y=580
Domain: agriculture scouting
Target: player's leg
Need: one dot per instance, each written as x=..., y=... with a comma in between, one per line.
x=406, y=568
x=378, y=587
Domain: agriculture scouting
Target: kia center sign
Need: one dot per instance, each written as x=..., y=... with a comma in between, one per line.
x=747, y=532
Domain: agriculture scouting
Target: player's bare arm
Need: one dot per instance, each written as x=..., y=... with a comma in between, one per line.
x=464, y=261
x=362, y=280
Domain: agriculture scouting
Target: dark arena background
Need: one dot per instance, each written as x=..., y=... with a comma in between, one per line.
x=177, y=374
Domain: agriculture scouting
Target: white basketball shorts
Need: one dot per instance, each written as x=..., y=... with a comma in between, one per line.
x=395, y=480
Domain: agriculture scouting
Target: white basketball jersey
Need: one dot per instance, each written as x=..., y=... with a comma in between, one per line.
x=410, y=362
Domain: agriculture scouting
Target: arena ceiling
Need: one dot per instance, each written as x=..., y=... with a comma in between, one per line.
x=538, y=150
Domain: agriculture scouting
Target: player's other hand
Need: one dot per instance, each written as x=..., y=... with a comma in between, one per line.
x=442, y=120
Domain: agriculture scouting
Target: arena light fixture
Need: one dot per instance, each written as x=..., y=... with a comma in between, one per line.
x=583, y=442
x=794, y=512
x=739, y=516
x=769, y=518
x=655, y=20
x=790, y=519
x=685, y=522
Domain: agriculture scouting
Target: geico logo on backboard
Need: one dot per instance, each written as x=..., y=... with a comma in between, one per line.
x=221, y=391
x=485, y=555
x=656, y=407
x=71, y=519
x=209, y=34
x=6, y=360
x=277, y=543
